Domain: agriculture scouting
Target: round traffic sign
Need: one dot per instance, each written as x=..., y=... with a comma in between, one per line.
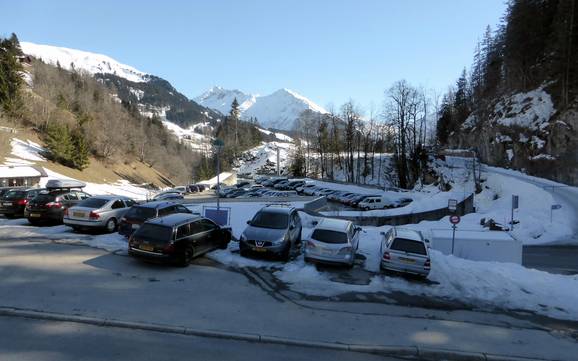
x=455, y=219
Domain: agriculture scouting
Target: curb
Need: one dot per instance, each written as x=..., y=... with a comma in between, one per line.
x=420, y=353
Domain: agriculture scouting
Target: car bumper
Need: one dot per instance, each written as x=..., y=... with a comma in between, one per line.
x=12, y=210
x=43, y=215
x=403, y=268
x=324, y=258
x=151, y=256
x=273, y=249
x=84, y=223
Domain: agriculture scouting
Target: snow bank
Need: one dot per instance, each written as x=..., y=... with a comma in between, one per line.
x=27, y=150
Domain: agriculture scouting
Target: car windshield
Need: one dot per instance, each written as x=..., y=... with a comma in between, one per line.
x=270, y=220
x=407, y=245
x=93, y=203
x=155, y=231
x=328, y=236
x=141, y=213
x=15, y=195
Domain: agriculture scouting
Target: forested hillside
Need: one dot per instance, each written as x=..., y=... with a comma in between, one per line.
x=80, y=119
x=517, y=105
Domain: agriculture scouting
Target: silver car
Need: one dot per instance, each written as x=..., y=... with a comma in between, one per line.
x=333, y=241
x=274, y=230
x=98, y=212
x=405, y=250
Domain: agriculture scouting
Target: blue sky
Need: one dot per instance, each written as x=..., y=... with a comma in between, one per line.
x=327, y=50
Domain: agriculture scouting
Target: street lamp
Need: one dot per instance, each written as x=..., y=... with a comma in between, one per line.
x=218, y=146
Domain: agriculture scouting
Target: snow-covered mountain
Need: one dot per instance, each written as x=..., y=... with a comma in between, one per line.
x=279, y=110
x=91, y=62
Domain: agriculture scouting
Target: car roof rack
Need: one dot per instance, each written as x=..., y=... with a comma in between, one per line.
x=54, y=184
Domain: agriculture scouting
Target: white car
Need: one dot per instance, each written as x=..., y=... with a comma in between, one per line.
x=406, y=251
x=333, y=241
x=377, y=202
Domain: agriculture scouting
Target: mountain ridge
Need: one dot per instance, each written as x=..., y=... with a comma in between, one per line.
x=278, y=110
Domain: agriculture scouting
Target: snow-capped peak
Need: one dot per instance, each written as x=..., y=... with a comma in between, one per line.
x=91, y=62
x=278, y=110
x=221, y=99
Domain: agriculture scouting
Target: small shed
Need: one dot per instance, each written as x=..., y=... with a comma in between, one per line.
x=13, y=176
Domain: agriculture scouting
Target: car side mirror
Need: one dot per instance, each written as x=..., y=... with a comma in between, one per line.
x=249, y=222
x=357, y=229
x=315, y=223
x=292, y=227
x=382, y=233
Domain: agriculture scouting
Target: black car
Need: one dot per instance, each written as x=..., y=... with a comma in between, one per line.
x=177, y=239
x=13, y=202
x=139, y=214
x=49, y=205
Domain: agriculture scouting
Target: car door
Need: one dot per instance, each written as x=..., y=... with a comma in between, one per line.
x=116, y=209
x=185, y=237
x=211, y=234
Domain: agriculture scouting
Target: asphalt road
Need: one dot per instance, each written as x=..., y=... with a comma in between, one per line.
x=71, y=279
x=37, y=340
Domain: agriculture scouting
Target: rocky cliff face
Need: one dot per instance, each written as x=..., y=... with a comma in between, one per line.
x=524, y=131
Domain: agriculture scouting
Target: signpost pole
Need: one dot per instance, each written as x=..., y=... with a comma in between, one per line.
x=514, y=206
x=453, y=237
x=218, y=145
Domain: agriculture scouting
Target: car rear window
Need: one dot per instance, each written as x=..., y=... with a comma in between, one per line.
x=270, y=220
x=93, y=203
x=155, y=232
x=406, y=245
x=327, y=236
x=15, y=195
x=45, y=198
x=141, y=213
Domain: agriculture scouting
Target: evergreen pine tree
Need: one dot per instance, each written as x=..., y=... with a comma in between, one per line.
x=79, y=156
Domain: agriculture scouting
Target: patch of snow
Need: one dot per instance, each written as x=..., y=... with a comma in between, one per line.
x=542, y=157
x=537, y=143
x=510, y=154
x=27, y=150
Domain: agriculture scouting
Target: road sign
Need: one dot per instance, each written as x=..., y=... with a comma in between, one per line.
x=556, y=206
x=455, y=219
x=514, y=201
x=452, y=205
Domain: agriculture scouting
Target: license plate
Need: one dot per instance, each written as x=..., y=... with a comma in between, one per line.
x=78, y=214
x=259, y=249
x=34, y=215
x=147, y=247
x=135, y=226
x=7, y=203
x=407, y=260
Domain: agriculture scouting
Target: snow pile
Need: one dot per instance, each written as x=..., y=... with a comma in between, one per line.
x=76, y=59
x=530, y=110
x=278, y=110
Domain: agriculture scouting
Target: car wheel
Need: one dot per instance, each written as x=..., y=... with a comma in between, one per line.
x=110, y=225
x=186, y=256
x=224, y=243
x=286, y=253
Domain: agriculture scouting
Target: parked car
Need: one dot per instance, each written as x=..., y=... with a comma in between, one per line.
x=13, y=203
x=333, y=241
x=405, y=250
x=275, y=230
x=168, y=195
x=177, y=238
x=99, y=212
x=356, y=200
x=140, y=213
x=272, y=181
x=282, y=185
x=293, y=184
x=49, y=205
x=376, y=202
x=242, y=184
x=310, y=189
